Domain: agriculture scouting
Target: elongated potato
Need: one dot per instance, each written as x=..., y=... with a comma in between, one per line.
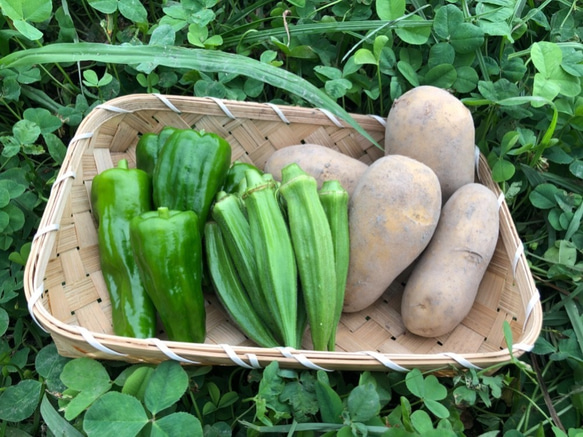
x=442, y=287
x=323, y=163
x=433, y=126
x=393, y=213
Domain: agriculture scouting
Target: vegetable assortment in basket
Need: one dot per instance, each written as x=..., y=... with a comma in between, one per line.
x=312, y=235
x=67, y=294
x=276, y=253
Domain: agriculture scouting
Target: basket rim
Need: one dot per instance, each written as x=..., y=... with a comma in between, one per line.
x=106, y=345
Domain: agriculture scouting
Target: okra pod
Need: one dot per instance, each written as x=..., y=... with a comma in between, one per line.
x=314, y=251
x=229, y=289
x=273, y=253
x=334, y=200
x=229, y=215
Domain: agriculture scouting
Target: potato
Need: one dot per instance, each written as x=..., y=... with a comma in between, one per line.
x=433, y=126
x=392, y=215
x=323, y=163
x=442, y=287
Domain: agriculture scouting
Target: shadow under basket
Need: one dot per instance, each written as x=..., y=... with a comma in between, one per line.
x=67, y=296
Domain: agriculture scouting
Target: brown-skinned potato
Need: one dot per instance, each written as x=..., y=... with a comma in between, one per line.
x=432, y=126
x=444, y=283
x=393, y=213
x=321, y=162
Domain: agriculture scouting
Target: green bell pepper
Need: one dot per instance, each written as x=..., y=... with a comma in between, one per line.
x=190, y=170
x=168, y=250
x=149, y=146
x=117, y=195
x=235, y=174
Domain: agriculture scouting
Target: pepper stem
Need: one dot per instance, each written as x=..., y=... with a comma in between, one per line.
x=163, y=212
x=123, y=164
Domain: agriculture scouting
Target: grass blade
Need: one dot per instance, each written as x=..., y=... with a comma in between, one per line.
x=55, y=422
x=319, y=28
x=183, y=58
x=575, y=318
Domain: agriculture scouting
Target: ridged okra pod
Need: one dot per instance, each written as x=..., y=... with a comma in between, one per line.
x=334, y=200
x=314, y=251
x=228, y=213
x=230, y=290
x=273, y=253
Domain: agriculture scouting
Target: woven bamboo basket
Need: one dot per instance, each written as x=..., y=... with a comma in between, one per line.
x=67, y=296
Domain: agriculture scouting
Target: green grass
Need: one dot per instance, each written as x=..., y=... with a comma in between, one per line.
x=516, y=65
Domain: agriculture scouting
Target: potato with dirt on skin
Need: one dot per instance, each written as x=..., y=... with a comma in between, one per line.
x=433, y=126
x=321, y=162
x=443, y=285
x=392, y=213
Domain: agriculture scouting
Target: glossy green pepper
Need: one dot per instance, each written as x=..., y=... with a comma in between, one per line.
x=149, y=146
x=235, y=174
x=190, y=170
x=117, y=195
x=168, y=250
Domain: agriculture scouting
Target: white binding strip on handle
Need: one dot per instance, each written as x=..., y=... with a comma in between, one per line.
x=523, y=347
x=168, y=103
x=385, y=361
x=38, y=292
x=45, y=230
x=517, y=255
x=237, y=360
x=331, y=116
x=254, y=361
x=501, y=198
x=89, y=338
x=68, y=174
x=461, y=360
x=288, y=352
x=113, y=109
x=82, y=136
x=279, y=112
x=535, y=298
x=382, y=120
x=223, y=107
x=477, y=162
x=168, y=352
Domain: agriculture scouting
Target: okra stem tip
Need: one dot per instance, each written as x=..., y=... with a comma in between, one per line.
x=332, y=186
x=292, y=171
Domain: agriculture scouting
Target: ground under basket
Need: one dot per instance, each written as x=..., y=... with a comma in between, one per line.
x=67, y=296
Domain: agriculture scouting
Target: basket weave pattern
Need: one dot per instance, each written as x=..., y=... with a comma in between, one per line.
x=68, y=298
